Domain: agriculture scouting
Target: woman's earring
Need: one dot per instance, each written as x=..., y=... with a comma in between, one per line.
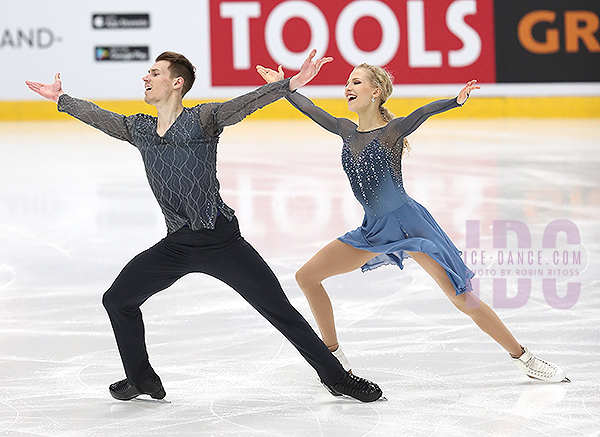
x=373, y=99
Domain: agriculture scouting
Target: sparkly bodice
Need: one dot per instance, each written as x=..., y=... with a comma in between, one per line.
x=375, y=176
x=373, y=160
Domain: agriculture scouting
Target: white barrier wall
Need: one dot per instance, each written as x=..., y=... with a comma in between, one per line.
x=59, y=36
x=103, y=48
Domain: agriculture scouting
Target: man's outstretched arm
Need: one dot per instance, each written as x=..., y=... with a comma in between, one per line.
x=108, y=122
x=48, y=91
x=215, y=116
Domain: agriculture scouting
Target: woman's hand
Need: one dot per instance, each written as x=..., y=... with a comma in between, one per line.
x=48, y=91
x=463, y=95
x=270, y=75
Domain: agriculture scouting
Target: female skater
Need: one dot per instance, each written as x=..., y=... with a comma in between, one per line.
x=395, y=226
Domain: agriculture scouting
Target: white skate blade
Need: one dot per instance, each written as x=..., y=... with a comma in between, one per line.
x=558, y=382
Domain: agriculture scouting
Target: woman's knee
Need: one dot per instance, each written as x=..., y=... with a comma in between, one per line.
x=306, y=278
x=464, y=302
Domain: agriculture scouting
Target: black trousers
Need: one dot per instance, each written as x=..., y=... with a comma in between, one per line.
x=225, y=255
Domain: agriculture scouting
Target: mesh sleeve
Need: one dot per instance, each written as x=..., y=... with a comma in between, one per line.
x=215, y=116
x=407, y=125
x=108, y=122
x=318, y=115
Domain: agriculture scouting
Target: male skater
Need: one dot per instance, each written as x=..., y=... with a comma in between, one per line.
x=178, y=149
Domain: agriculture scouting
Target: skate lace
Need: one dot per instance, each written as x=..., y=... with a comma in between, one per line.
x=357, y=385
x=541, y=367
x=120, y=386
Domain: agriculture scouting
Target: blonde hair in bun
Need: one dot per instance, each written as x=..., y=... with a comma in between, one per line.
x=383, y=79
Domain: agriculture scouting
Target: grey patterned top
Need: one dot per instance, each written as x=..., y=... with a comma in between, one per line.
x=181, y=166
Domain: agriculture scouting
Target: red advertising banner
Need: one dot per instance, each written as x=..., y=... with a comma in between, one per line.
x=419, y=41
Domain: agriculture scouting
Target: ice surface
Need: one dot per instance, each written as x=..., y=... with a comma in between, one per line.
x=75, y=207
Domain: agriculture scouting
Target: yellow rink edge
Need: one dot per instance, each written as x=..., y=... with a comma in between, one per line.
x=480, y=107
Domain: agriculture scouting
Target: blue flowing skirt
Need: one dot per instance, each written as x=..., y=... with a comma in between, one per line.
x=410, y=228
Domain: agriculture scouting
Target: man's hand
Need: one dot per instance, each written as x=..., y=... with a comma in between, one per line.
x=308, y=71
x=48, y=91
x=270, y=75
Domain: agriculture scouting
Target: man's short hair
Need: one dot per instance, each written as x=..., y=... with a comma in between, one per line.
x=180, y=66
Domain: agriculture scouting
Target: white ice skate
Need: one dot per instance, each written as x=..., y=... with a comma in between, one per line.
x=536, y=368
x=339, y=354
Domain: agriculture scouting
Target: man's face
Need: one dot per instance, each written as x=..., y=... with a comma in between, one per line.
x=158, y=83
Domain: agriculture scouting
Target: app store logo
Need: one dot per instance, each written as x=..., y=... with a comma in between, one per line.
x=121, y=21
x=122, y=53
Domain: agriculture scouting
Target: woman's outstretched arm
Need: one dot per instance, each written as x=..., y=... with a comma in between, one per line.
x=407, y=125
x=302, y=103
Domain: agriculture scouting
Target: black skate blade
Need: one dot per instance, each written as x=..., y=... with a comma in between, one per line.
x=566, y=380
x=350, y=398
x=151, y=400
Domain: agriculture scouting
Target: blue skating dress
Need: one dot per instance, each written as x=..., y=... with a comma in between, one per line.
x=394, y=223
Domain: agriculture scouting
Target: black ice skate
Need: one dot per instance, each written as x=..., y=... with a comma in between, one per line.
x=355, y=387
x=124, y=391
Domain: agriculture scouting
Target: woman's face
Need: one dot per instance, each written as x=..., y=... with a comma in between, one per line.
x=359, y=91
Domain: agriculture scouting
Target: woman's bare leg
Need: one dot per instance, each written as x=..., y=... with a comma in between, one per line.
x=333, y=259
x=481, y=314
